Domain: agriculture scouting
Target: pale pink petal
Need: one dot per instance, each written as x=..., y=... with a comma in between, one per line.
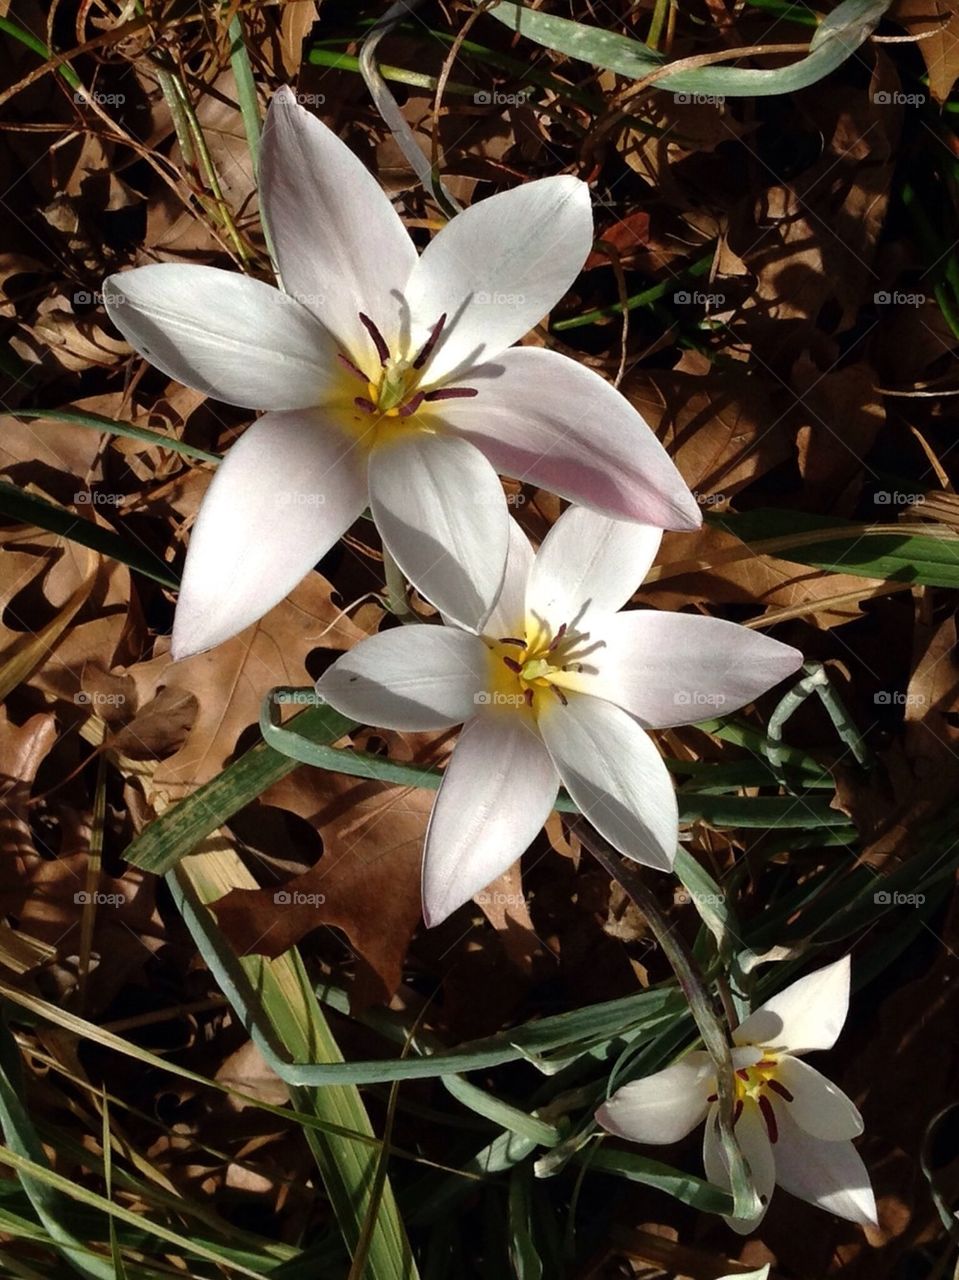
x=615, y=776
x=340, y=244
x=497, y=268
x=817, y=1105
x=441, y=511
x=588, y=566
x=677, y=668
x=830, y=1175
x=288, y=488
x=411, y=678
x=498, y=789
x=808, y=1014
x=664, y=1107
x=753, y=1139
x=224, y=334
x=546, y=420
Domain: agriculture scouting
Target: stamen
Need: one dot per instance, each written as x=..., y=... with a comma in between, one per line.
x=713, y=1097
x=382, y=350
x=430, y=343
x=347, y=363
x=766, y=1107
x=560, y=694
x=561, y=631
x=451, y=393
x=367, y=406
x=766, y=1062
x=780, y=1089
x=513, y=664
x=512, y=640
x=528, y=697
x=411, y=406
x=743, y=1074
x=738, y=1110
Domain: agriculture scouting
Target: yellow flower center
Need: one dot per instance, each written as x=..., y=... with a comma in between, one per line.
x=754, y=1084
x=538, y=663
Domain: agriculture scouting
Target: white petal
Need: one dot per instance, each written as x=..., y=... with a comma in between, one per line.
x=549, y=421
x=441, y=511
x=677, y=668
x=340, y=244
x=509, y=613
x=288, y=488
x=664, y=1107
x=411, y=678
x=830, y=1175
x=224, y=334
x=497, y=268
x=818, y=1106
x=498, y=789
x=754, y=1143
x=808, y=1014
x=615, y=776
x=588, y=564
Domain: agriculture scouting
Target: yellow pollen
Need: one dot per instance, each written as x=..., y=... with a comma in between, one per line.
x=526, y=667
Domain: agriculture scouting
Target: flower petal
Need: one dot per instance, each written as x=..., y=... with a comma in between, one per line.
x=544, y=419
x=676, y=668
x=340, y=245
x=758, y=1152
x=588, y=565
x=497, y=268
x=830, y=1175
x=224, y=334
x=808, y=1014
x=288, y=488
x=615, y=776
x=441, y=511
x=664, y=1107
x=509, y=613
x=818, y=1106
x=410, y=678
x=498, y=789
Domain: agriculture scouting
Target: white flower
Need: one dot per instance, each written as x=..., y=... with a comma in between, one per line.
x=387, y=382
x=793, y=1125
x=559, y=687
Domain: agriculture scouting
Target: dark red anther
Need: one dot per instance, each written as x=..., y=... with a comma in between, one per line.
x=411, y=406
x=347, y=363
x=512, y=640
x=713, y=1097
x=766, y=1107
x=738, y=1110
x=743, y=1073
x=382, y=350
x=557, y=638
x=766, y=1062
x=430, y=343
x=780, y=1089
x=560, y=694
x=528, y=697
x=513, y=664
x=452, y=393
x=367, y=406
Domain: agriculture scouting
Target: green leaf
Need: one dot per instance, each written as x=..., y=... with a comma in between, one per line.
x=836, y=39
x=27, y=508
x=651, y=1173
x=95, y=422
x=930, y=559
